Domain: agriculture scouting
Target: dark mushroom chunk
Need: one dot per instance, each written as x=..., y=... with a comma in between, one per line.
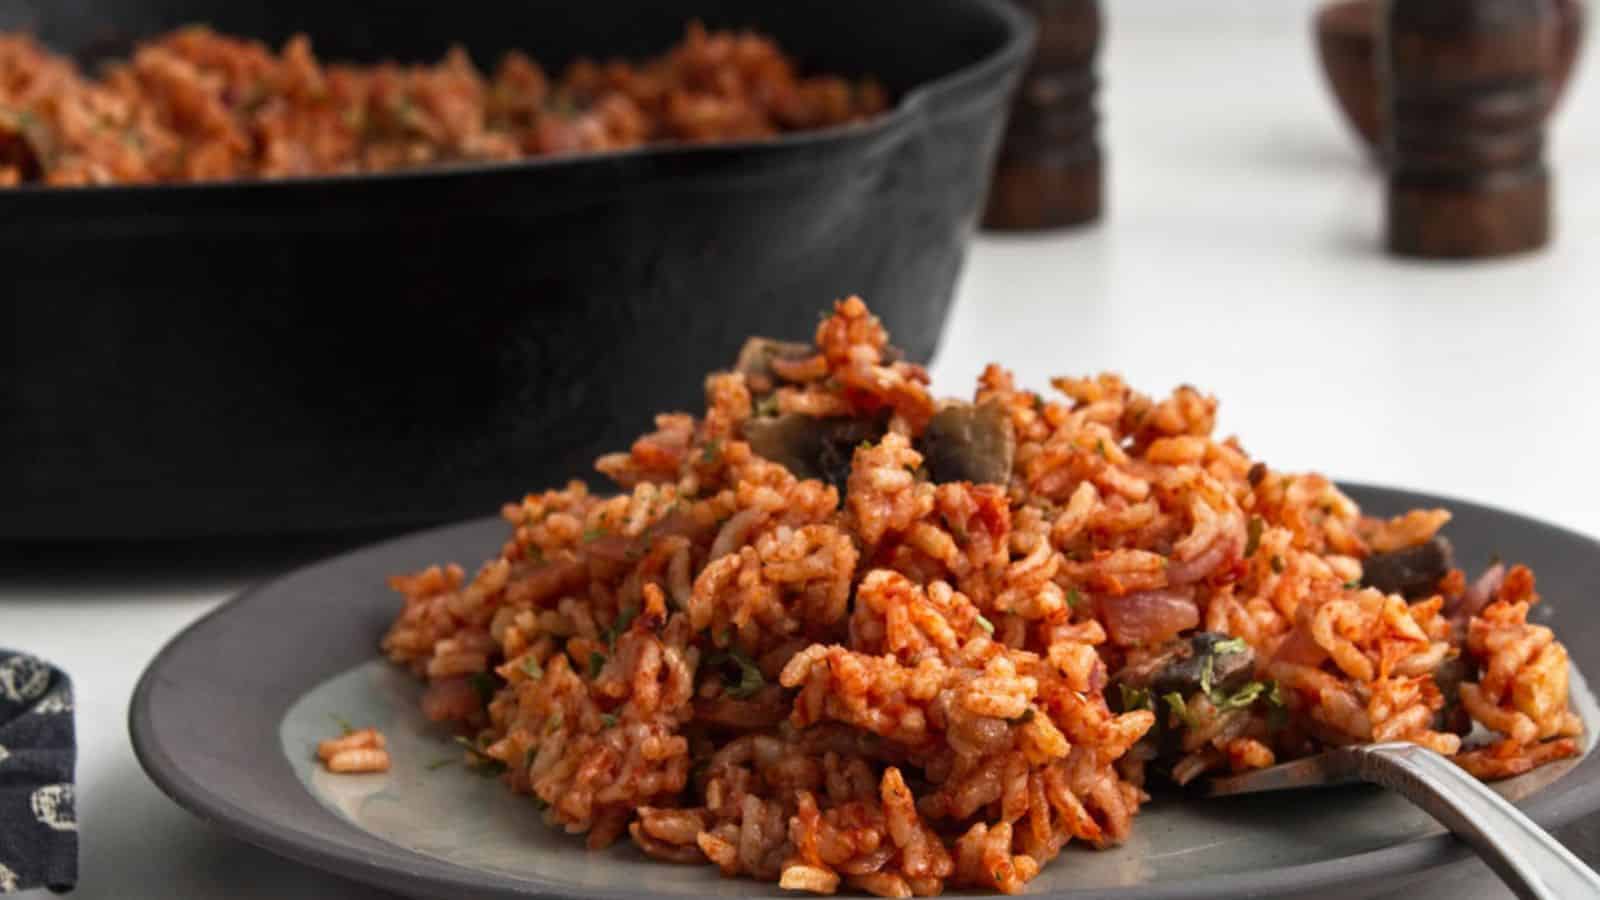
x=1203, y=662
x=1413, y=572
x=810, y=447
x=1449, y=676
x=1167, y=682
x=792, y=441
x=755, y=361
x=1135, y=679
x=1232, y=662
x=966, y=442
x=18, y=149
x=838, y=448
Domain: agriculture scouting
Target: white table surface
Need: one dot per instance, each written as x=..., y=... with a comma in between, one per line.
x=1240, y=255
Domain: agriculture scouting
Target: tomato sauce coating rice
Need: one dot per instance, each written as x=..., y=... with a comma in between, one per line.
x=837, y=634
x=195, y=105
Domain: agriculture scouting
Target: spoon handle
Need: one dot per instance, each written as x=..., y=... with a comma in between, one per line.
x=1531, y=862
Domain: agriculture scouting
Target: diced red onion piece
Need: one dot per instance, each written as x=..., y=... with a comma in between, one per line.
x=1209, y=560
x=1300, y=649
x=1480, y=592
x=613, y=547
x=1149, y=617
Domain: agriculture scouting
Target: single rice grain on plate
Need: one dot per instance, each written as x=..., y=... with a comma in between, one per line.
x=355, y=752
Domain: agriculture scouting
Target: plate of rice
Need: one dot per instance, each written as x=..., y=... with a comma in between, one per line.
x=831, y=634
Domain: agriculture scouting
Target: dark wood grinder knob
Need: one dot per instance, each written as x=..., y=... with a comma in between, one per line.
x=1466, y=83
x=1049, y=169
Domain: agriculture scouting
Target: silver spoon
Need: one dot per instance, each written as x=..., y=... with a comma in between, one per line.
x=1531, y=862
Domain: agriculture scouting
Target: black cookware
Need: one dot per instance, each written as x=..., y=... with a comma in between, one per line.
x=322, y=354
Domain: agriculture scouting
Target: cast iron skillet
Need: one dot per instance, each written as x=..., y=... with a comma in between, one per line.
x=320, y=354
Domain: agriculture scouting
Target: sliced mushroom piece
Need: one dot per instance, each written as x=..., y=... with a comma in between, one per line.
x=1181, y=666
x=1449, y=676
x=966, y=442
x=1184, y=667
x=19, y=151
x=812, y=448
x=1232, y=663
x=755, y=361
x=1413, y=572
x=792, y=441
x=838, y=448
x=1141, y=675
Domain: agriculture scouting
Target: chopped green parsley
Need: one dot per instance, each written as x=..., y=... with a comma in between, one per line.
x=620, y=626
x=1231, y=645
x=749, y=681
x=482, y=762
x=1252, y=540
x=1249, y=694
x=1179, y=708
x=486, y=685
x=1134, y=698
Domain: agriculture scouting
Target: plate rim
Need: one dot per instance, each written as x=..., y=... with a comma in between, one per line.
x=406, y=871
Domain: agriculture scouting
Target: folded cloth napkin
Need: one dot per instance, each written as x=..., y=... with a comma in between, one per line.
x=38, y=824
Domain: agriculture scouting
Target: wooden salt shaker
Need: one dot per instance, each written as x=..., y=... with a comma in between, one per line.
x=1049, y=169
x=1465, y=81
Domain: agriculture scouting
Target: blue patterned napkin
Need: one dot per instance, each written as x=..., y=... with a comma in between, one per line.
x=38, y=823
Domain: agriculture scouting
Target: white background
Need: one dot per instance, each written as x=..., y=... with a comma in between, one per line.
x=1240, y=255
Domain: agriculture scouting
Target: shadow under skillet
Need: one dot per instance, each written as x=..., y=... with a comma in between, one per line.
x=136, y=567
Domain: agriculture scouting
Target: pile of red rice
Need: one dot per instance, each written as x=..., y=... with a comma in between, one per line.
x=195, y=105
x=905, y=687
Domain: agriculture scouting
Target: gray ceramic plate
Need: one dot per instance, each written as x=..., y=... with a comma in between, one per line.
x=226, y=717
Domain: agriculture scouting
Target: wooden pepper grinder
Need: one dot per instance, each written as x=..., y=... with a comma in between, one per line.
x=1049, y=173
x=1466, y=81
